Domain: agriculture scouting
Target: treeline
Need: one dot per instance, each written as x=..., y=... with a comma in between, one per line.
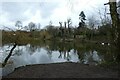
x=89, y=29
x=103, y=33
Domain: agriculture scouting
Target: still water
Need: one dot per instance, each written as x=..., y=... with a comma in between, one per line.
x=53, y=53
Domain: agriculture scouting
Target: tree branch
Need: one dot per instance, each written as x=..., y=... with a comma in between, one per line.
x=6, y=59
x=107, y=3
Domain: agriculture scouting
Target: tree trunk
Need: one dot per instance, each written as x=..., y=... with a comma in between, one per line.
x=115, y=25
x=115, y=21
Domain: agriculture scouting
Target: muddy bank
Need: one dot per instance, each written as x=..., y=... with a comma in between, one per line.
x=63, y=70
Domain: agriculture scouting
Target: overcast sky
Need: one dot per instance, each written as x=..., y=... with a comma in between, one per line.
x=44, y=11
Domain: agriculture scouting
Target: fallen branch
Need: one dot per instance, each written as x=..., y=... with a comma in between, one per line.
x=6, y=59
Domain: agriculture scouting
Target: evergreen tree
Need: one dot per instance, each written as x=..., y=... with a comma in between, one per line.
x=82, y=19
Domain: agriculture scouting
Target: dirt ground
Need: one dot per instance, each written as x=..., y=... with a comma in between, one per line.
x=62, y=70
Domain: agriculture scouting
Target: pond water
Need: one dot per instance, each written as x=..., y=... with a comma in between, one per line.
x=53, y=53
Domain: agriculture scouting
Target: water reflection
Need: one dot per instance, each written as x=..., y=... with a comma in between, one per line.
x=24, y=56
x=66, y=55
x=53, y=53
x=91, y=57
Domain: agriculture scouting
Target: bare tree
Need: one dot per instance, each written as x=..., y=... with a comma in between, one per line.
x=32, y=26
x=39, y=25
x=92, y=22
x=104, y=17
x=50, y=23
x=60, y=24
x=65, y=24
x=69, y=22
x=16, y=42
x=18, y=24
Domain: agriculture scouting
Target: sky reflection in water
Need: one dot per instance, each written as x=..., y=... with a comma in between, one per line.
x=27, y=55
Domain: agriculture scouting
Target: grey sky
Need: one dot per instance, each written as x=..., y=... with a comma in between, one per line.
x=39, y=11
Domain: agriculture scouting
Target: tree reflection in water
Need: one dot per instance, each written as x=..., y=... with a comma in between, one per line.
x=66, y=55
x=18, y=51
x=65, y=51
x=91, y=58
x=55, y=52
x=49, y=52
x=31, y=49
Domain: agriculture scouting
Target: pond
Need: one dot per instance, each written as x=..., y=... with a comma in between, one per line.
x=55, y=52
